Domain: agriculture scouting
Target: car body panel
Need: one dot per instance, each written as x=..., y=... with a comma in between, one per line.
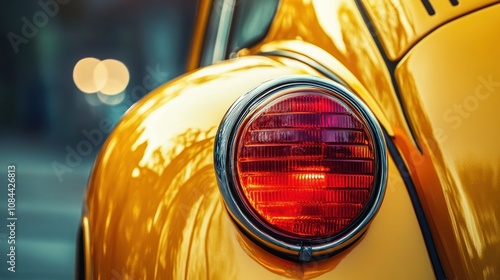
x=153, y=207
x=400, y=24
x=162, y=217
x=454, y=108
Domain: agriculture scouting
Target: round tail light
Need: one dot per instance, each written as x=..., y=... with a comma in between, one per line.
x=301, y=164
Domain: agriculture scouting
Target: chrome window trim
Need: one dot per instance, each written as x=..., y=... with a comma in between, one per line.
x=223, y=29
x=225, y=141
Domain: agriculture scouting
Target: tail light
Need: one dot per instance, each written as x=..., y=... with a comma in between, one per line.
x=301, y=164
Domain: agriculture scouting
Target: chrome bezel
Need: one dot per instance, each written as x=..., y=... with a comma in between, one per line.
x=303, y=249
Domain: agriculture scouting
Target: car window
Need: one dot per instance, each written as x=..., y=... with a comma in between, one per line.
x=252, y=20
x=236, y=24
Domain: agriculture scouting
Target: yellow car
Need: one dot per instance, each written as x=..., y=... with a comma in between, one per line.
x=350, y=139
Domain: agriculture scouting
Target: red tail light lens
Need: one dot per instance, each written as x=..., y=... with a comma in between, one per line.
x=301, y=164
x=305, y=164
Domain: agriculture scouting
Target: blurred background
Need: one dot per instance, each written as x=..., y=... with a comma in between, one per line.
x=51, y=129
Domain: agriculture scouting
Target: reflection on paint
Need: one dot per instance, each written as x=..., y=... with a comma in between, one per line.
x=464, y=155
x=400, y=24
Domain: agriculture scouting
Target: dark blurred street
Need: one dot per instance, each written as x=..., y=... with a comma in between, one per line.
x=55, y=116
x=48, y=210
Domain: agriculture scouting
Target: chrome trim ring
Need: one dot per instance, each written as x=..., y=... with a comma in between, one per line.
x=306, y=60
x=303, y=249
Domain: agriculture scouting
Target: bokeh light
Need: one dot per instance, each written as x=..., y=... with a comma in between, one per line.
x=83, y=75
x=114, y=99
x=109, y=76
x=117, y=77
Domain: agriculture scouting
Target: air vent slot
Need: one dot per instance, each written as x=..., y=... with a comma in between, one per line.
x=430, y=10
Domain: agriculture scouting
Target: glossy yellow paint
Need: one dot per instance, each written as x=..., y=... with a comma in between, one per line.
x=401, y=23
x=451, y=85
x=334, y=34
x=155, y=211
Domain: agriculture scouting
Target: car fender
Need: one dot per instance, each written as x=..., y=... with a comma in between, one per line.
x=154, y=211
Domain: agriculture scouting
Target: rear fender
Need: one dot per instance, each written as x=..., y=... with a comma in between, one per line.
x=155, y=211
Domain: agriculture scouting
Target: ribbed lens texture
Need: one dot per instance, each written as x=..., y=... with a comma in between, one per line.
x=305, y=164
